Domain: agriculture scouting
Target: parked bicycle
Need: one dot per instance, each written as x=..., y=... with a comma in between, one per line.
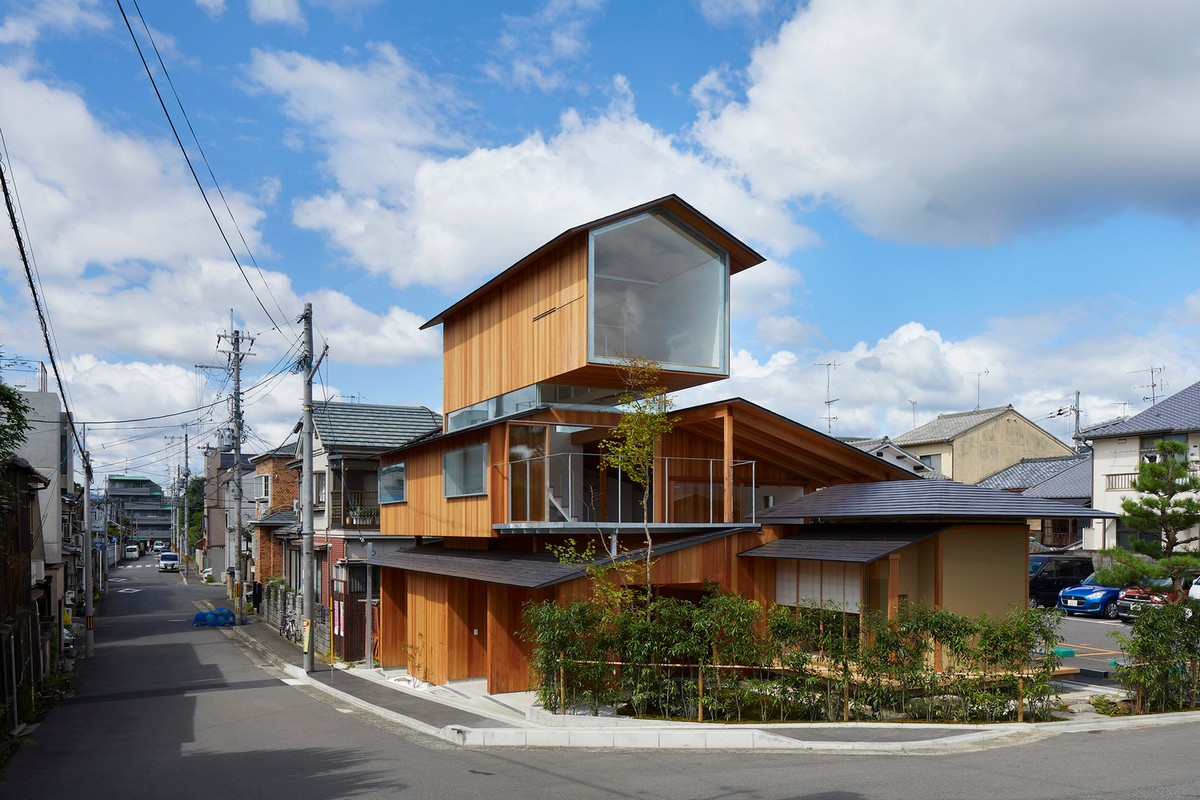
x=290, y=629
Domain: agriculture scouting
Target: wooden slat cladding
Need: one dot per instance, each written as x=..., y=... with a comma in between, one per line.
x=393, y=618
x=527, y=330
x=428, y=604
x=427, y=512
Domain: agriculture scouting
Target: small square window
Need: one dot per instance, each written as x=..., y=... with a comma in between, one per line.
x=464, y=471
x=393, y=483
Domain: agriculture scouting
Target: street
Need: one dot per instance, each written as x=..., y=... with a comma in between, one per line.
x=165, y=710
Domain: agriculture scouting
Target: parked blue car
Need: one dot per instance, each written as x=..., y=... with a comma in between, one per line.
x=1090, y=597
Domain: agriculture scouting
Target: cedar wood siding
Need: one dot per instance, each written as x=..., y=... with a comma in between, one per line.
x=494, y=345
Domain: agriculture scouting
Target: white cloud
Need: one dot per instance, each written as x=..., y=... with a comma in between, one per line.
x=1027, y=365
x=532, y=50
x=32, y=21
x=286, y=12
x=722, y=11
x=469, y=217
x=954, y=122
x=375, y=121
x=214, y=8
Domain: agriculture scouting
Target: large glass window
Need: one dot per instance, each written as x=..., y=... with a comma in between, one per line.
x=658, y=291
x=464, y=472
x=527, y=473
x=393, y=483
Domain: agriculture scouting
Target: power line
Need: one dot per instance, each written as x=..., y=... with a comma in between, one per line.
x=171, y=123
x=37, y=304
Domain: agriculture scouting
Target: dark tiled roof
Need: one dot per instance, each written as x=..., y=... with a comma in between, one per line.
x=1073, y=483
x=287, y=451
x=858, y=543
x=1030, y=472
x=509, y=568
x=1179, y=413
x=921, y=500
x=287, y=517
x=949, y=426
x=361, y=425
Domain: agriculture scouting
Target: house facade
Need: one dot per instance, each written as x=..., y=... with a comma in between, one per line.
x=533, y=373
x=1119, y=446
x=968, y=446
x=222, y=478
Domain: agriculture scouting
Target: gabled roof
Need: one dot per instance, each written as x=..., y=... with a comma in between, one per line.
x=287, y=451
x=948, y=427
x=1031, y=471
x=371, y=427
x=928, y=500
x=741, y=256
x=1179, y=413
x=842, y=542
x=1073, y=483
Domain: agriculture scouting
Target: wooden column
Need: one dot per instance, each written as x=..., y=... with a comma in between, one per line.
x=727, y=421
x=893, y=585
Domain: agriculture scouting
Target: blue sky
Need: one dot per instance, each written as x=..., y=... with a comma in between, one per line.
x=941, y=189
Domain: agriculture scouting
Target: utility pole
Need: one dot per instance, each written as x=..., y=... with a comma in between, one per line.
x=306, y=487
x=186, y=541
x=233, y=549
x=88, y=604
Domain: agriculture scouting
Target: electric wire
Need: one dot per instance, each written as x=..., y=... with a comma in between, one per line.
x=12, y=216
x=191, y=168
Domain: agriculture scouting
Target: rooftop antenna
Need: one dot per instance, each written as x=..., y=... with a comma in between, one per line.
x=829, y=418
x=1152, y=385
x=979, y=376
x=913, y=403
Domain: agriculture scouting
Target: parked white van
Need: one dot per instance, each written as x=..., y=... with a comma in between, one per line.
x=132, y=552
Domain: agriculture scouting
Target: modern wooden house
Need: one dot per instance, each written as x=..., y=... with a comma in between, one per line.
x=532, y=378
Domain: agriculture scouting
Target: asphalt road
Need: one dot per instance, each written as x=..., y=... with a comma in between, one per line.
x=167, y=711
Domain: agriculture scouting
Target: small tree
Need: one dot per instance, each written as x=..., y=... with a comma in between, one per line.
x=1167, y=506
x=644, y=421
x=14, y=420
x=1168, y=503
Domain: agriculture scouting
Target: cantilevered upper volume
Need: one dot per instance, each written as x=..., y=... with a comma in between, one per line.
x=651, y=281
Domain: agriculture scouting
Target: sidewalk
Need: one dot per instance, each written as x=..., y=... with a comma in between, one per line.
x=464, y=713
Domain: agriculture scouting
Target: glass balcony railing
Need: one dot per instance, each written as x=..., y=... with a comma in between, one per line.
x=571, y=488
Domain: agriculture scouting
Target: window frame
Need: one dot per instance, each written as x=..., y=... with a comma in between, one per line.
x=391, y=469
x=465, y=453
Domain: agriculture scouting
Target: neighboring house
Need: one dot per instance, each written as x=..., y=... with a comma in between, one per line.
x=1064, y=478
x=884, y=448
x=348, y=440
x=139, y=509
x=1119, y=446
x=532, y=376
x=26, y=620
x=276, y=496
x=49, y=449
x=221, y=480
x=968, y=446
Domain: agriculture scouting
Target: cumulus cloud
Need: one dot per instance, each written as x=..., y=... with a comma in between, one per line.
x=32, y=21
x=374, y=122
x=876, y=384
x=953, y=123
x=533, y=51
x=285, y=12
x=214, y=8
x=470, y=216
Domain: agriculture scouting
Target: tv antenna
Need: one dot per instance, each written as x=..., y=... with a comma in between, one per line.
x=913, y=403
x=829, y=418
x=1153, y=386
x=979, y=376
